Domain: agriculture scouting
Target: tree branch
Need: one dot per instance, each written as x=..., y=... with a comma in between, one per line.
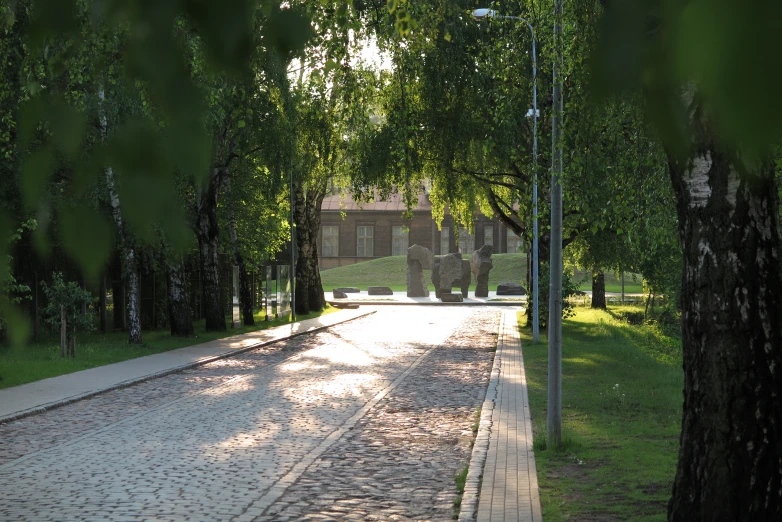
x=504, y=218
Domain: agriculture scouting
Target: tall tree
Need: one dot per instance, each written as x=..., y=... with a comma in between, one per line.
x=719, y=119
x=454, y=111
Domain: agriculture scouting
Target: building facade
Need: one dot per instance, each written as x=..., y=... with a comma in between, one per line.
x=351, y=234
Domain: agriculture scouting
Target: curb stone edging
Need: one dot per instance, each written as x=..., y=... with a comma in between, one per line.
x=201, y=362
x=472, y=487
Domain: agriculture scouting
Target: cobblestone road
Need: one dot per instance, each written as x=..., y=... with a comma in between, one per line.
x=369, y=420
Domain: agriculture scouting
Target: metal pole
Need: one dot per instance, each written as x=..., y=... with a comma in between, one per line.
x=535, y=308
x=555, y=289
x=293, y=255
x=535, y=234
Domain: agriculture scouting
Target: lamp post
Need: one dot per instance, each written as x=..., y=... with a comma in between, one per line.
x=480, y=14
x=554, y=410
x=293, y=254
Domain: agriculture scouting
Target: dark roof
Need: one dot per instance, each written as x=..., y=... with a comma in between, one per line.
x=394, y=203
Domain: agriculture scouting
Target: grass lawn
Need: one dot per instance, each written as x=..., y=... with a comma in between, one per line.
x=392, y=272
x=41, y=360
x=633, y=283
x=621, y=415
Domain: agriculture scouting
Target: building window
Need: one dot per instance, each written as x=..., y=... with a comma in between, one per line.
x=364, y=243
x=488, y=235
x=445, y=240
x=466, y=242
x=514, y=242
x=330, y=241
x=399, y=240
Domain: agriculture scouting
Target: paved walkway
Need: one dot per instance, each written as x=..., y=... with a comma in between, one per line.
x=368, y=420
x=502, y=484
x=23, y=400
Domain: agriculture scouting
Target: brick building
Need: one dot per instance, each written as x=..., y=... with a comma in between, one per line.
x=379, y=230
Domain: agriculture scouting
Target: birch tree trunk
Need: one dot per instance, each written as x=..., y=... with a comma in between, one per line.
x=128, y=253
x=208, y=234
x=179, y=315
x=309, y=288
x=730, y=459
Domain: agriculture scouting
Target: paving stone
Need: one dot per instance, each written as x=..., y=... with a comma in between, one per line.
x=320, y=427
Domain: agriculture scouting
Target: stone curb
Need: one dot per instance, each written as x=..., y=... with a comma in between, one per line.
x=480, y=450
x=183, y=367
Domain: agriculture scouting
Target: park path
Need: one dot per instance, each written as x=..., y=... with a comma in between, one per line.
x=369, y=420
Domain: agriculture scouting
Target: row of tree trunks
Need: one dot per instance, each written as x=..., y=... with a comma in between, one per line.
x=730, y=458
x=306, y=214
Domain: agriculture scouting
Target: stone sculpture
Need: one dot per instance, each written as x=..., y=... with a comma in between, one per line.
x=481, y=265
x=450, y=272
x=466, y=277
x=379, y=290
x=508, y=288
x=419, y=258
x=448, y=297
x=436, y=275
x=349, y=290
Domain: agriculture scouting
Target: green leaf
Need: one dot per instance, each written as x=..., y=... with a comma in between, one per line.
x=87, y=238
x=30, y=116
x=18, y=322
x=35, y=176
x=226, y=29
x=241, y=124
x=287, y=32
x=67, y=125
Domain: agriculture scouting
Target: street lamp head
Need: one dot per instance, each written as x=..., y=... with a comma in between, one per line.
x=480, y=14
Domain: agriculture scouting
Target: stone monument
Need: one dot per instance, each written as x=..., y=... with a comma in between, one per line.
x=481, y=265
x=450, y=272
x=419, y=258
x=466, y=277
x=436, y=275
x=510, y=288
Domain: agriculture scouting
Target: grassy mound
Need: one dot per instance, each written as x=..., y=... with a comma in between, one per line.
x=392, y=272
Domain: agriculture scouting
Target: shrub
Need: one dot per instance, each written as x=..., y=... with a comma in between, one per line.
x=65, y=303
x=569, y=287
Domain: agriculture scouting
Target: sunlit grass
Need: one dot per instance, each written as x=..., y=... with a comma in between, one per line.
x=633, y=282
x=41, y=360
x=392, y=272
x=621, y=411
